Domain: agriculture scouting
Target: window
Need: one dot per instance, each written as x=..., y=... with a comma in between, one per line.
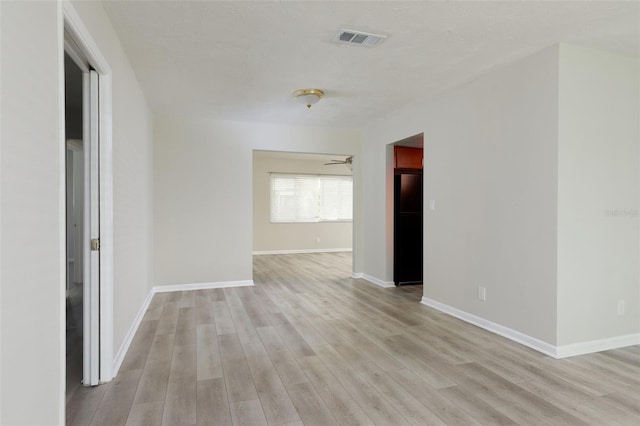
x=311, y=198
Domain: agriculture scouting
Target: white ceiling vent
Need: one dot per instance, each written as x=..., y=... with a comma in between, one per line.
x=359, y=38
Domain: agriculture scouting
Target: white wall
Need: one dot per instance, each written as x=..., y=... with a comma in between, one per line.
x=32, y=210
x=269, y=236
x=490, y=155
x=203, y=192
x=32, y=214
x=524, y=163
x=597, y=195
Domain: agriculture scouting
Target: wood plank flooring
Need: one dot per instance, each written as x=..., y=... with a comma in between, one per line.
x=308, y=345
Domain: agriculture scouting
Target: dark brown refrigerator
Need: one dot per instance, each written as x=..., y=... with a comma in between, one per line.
x=407, y=247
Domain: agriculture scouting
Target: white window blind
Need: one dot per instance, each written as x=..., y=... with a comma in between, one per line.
x=311, y=198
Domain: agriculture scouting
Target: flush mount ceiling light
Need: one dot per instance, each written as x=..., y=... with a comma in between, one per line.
x=308, y=97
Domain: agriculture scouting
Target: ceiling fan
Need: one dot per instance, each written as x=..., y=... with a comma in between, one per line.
x=347, y=162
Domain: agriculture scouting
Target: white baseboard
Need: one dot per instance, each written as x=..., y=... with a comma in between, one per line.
x=600, y=345
x=122, y=352
x=378, y=282
x=557, y=352
x=117, y=360
x=201, y=286
x=374, y=280
x=493, y=327
x=301, y=251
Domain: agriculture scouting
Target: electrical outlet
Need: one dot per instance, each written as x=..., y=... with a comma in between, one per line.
x=432, y=205
x=482, y=293
x=620, y=307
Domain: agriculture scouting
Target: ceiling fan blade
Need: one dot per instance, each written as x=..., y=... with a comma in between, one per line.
x=347, y=161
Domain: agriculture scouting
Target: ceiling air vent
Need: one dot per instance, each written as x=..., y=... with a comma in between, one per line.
x=359, y=38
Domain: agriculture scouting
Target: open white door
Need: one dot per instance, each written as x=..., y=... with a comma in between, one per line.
x=91, y=320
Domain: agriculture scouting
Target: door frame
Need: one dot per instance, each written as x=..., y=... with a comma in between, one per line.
x=414, y=141
x=356, y=221
x=73, y=25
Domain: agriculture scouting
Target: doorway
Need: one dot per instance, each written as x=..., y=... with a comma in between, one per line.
x=407, y=190
x=302, y=204
x=88, y=149
x=74, y=194
x=82, y=194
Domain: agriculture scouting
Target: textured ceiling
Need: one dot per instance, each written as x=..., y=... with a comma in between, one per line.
x=241, y=60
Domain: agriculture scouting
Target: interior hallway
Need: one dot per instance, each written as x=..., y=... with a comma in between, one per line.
x=309, y=345
x=74, y=318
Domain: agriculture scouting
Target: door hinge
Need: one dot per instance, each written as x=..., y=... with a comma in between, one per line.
x=95, y=244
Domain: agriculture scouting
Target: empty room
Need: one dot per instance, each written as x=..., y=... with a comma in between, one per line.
x=319, y=212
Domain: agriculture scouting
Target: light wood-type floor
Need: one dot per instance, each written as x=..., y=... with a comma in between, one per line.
x=309, y=345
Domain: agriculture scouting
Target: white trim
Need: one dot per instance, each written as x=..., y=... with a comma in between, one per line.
x=378, y=282
x=357, y=275
x=124, y=348
x=62, y=225
x=599, y=345
x=300, y=251
x=201, y=286
x=501, y=330
x=91, y=230
x=557, y=352
x=80, y=34
x=72, y=49
x=106, y=229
